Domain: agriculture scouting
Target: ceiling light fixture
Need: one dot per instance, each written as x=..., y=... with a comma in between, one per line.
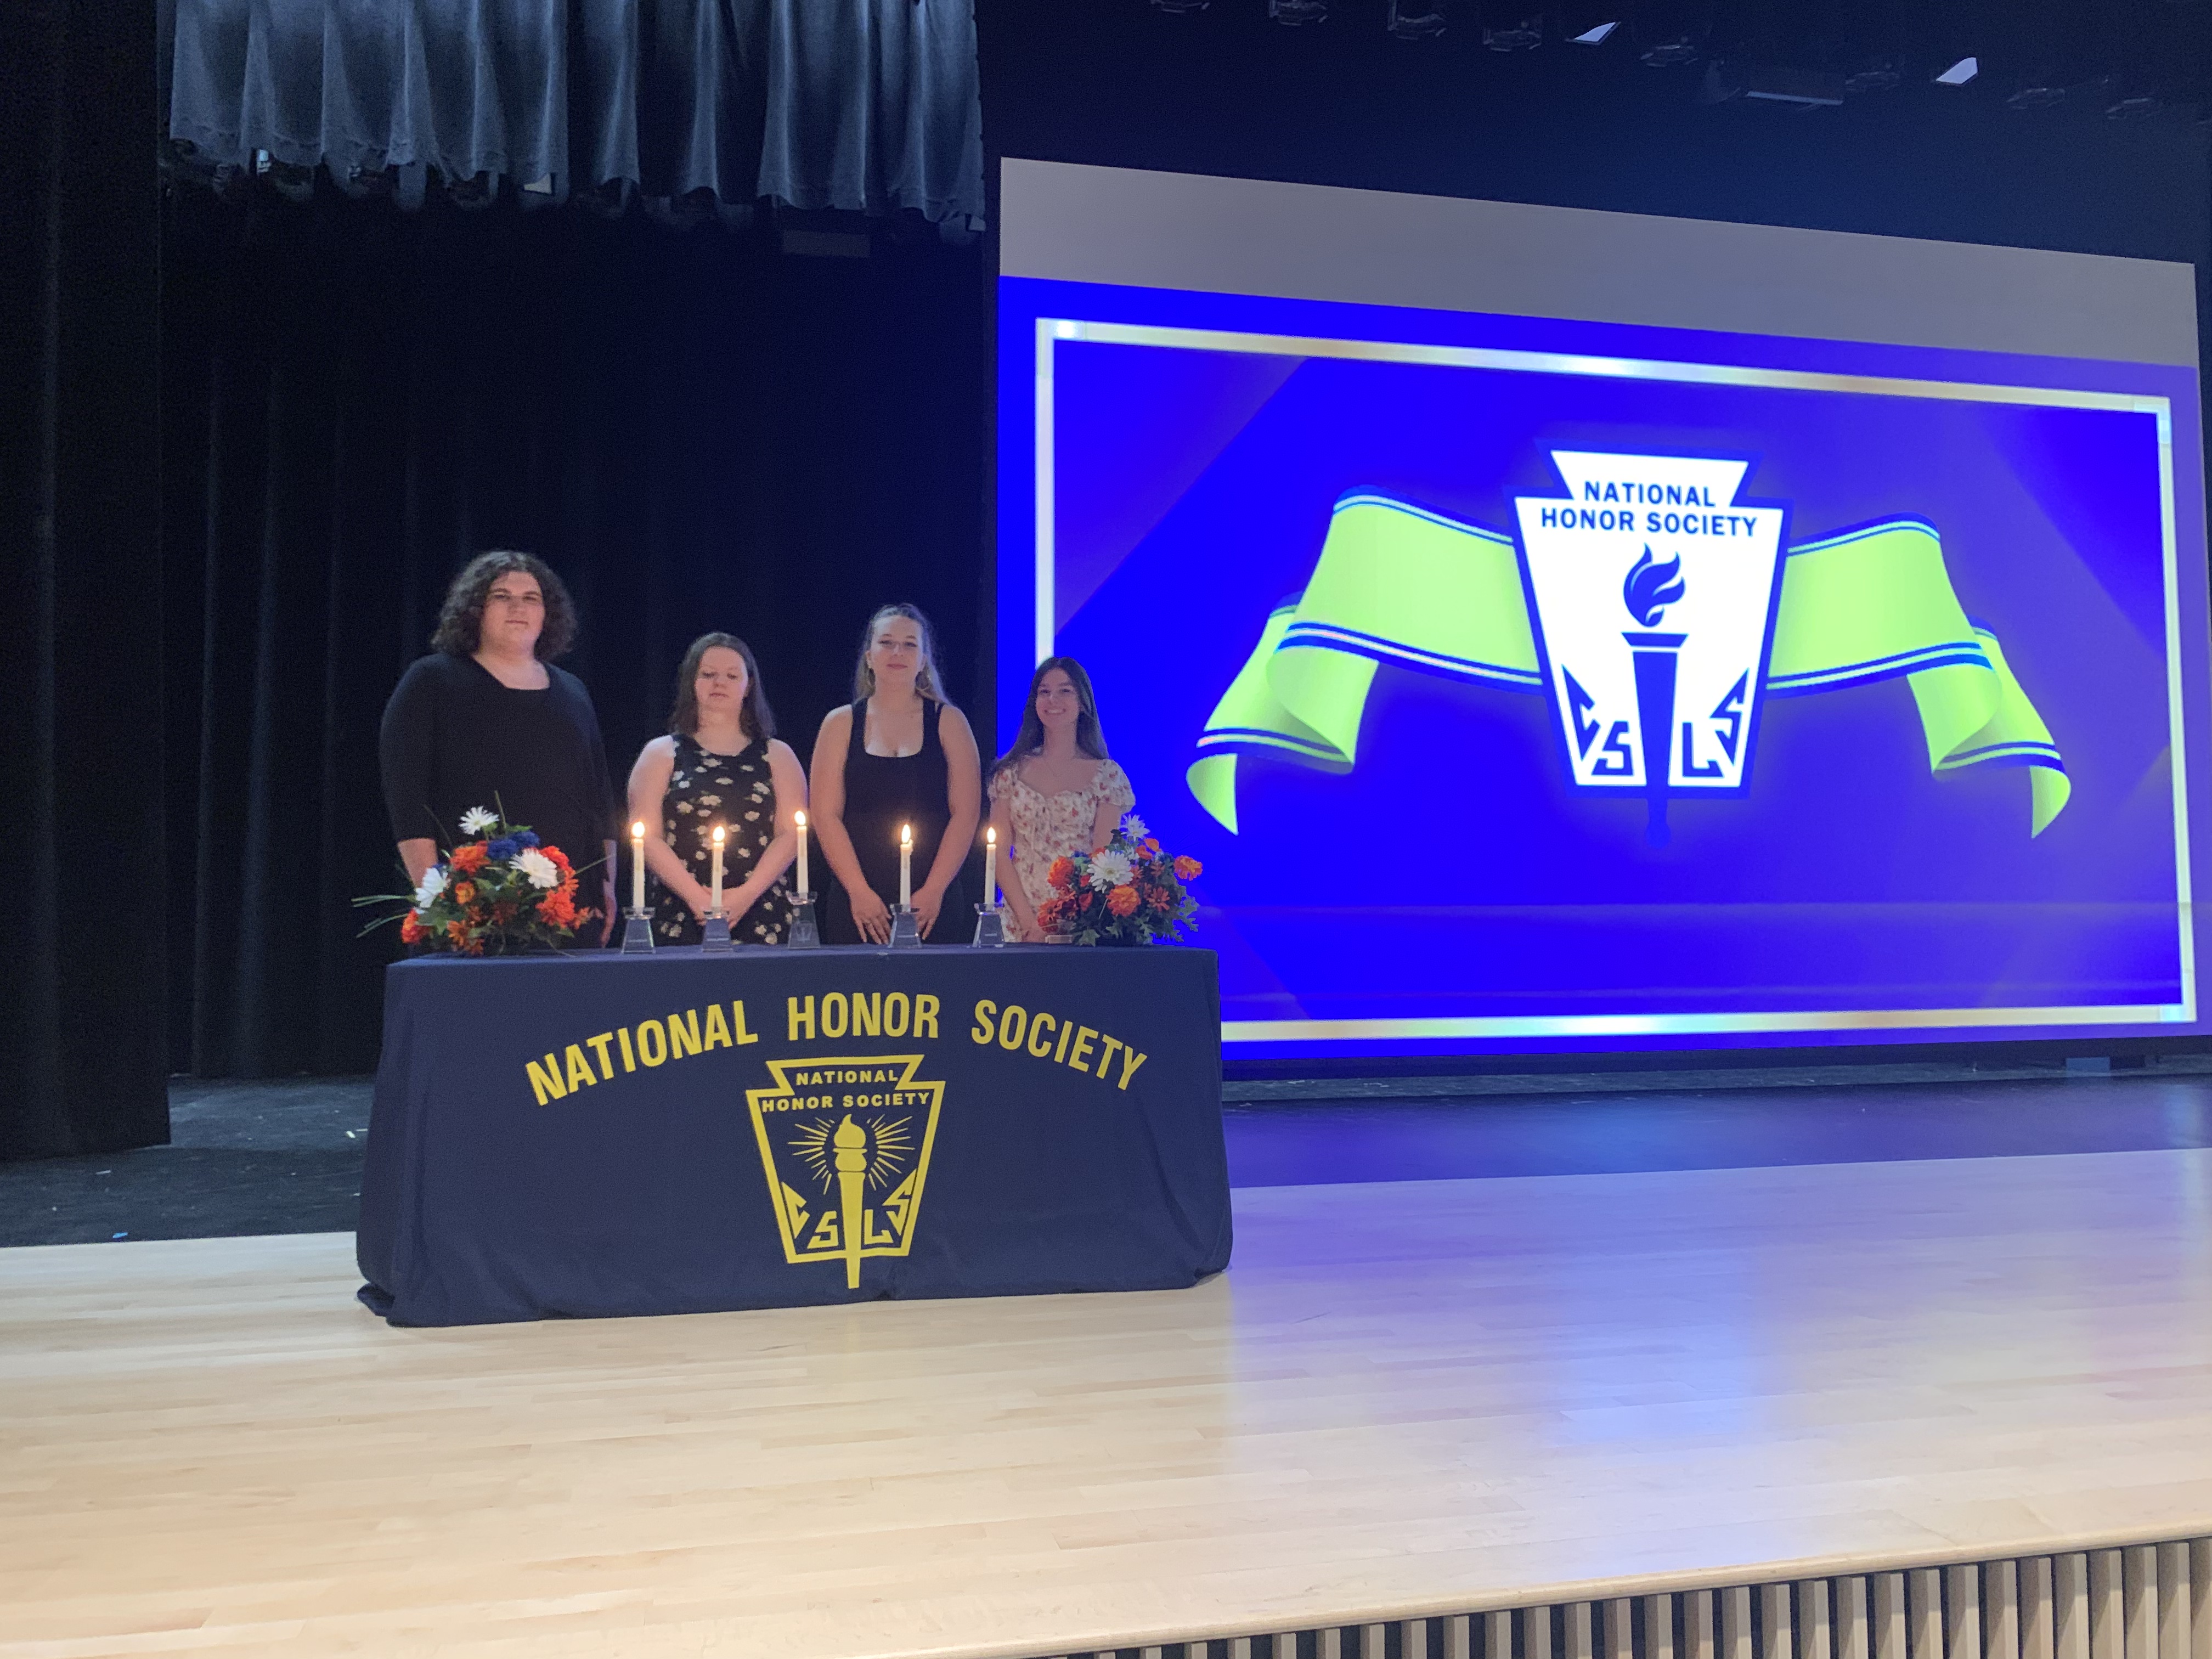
x=1415, y=20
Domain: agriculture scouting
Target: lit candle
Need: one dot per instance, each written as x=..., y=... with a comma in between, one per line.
x=906, y=867
x=800, y=818
x=718, y=869
x=991, y=867
x=637, y=866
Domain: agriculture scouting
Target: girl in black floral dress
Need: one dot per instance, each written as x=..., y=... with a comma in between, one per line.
x=719, y=764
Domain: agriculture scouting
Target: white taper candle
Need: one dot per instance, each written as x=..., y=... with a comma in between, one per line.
x=718, y=869
x=991, y=866
x=800, y=818
x=637, y=866
x=906, y=867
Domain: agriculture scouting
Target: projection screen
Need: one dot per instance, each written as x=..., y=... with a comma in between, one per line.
x=1559, y=630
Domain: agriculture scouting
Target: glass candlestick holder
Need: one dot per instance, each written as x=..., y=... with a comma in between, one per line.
x=804, y=935
x=906, y=931
x=714, y=931
x=637, y=932
x=990, y=925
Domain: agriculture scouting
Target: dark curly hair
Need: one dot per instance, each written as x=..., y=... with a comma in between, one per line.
x=754, y=716
x=460, y=619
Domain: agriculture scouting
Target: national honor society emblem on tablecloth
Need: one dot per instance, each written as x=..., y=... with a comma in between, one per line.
x=1654, y=609
x=845, y=1145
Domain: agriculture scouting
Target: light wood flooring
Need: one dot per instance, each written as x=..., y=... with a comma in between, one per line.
x=1405, y=1399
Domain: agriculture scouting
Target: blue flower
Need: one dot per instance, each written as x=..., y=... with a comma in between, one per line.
x=502, y=849
x=527, y=838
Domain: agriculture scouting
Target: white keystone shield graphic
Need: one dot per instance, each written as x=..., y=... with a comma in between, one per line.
x=1653, y=594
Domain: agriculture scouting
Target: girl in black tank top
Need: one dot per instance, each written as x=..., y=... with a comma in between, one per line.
x=861, y=798
x=883, y=792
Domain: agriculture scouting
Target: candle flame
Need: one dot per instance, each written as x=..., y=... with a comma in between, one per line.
x=637, y=830
x=718, y=835
x=906, y=834
x=991, y=835
x=800, y=818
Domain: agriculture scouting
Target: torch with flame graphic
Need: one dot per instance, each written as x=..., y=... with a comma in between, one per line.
x=850, y=1146
x=1651, y=587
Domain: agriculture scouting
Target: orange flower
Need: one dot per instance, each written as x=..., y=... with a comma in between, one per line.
x=1061, y=873
x=458, y=932
x=465, y=892
x=469, y=859
x=1186, y=868
x=411, y=930
x=1123, y=900
x=1152, y=844
x=559, y=859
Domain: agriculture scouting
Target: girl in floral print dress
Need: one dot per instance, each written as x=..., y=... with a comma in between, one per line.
x=1055, y=792
x=720, y=763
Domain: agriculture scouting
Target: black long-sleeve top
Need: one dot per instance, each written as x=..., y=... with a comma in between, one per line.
x=454, y=738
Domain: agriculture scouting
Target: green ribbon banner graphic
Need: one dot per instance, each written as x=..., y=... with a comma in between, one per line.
x=1398, y=584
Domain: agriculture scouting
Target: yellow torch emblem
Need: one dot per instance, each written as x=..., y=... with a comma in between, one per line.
x=845, y=1145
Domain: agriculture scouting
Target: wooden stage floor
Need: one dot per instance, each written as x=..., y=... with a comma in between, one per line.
x=1402, y=1400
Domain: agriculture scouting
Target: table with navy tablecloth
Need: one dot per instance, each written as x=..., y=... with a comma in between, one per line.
x=595, y=1134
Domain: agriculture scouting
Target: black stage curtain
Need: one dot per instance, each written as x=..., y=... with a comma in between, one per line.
x=81, y=1048
x=695, y=431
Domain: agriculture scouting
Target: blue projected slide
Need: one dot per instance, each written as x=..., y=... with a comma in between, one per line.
x=1536, y=684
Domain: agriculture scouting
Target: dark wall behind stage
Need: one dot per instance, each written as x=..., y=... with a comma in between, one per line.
x=701, y=432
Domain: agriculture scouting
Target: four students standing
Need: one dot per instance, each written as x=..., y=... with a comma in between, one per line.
x=486, y=719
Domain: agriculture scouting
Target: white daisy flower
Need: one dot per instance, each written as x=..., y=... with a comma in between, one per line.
x=538, y=867
x=476, y=820
x=1135, y=826
x=432, y=884
x=1110, y=869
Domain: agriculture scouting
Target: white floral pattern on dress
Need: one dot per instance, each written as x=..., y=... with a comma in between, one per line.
x=688, y=823
x=1048, y=827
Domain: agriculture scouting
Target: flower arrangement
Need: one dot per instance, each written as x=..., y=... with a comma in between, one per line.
x=499, y=892
x=1132, y=893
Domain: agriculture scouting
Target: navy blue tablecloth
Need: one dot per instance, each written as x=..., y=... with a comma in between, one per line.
x=597, y=1135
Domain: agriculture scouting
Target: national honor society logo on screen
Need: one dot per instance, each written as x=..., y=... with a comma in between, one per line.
x=1655, y=674
x=845, y=1145
x=1655, y=610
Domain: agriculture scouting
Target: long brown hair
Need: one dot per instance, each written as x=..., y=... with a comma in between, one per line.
x=1089, y=738
x=753, y=716
x=925, y=674
x=460, y=618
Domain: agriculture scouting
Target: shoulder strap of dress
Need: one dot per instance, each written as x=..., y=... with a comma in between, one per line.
x=932, y=711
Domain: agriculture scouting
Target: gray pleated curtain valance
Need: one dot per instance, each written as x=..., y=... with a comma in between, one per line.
x=867, y=105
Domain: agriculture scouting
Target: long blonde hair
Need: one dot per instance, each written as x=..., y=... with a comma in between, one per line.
x=925, y=673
